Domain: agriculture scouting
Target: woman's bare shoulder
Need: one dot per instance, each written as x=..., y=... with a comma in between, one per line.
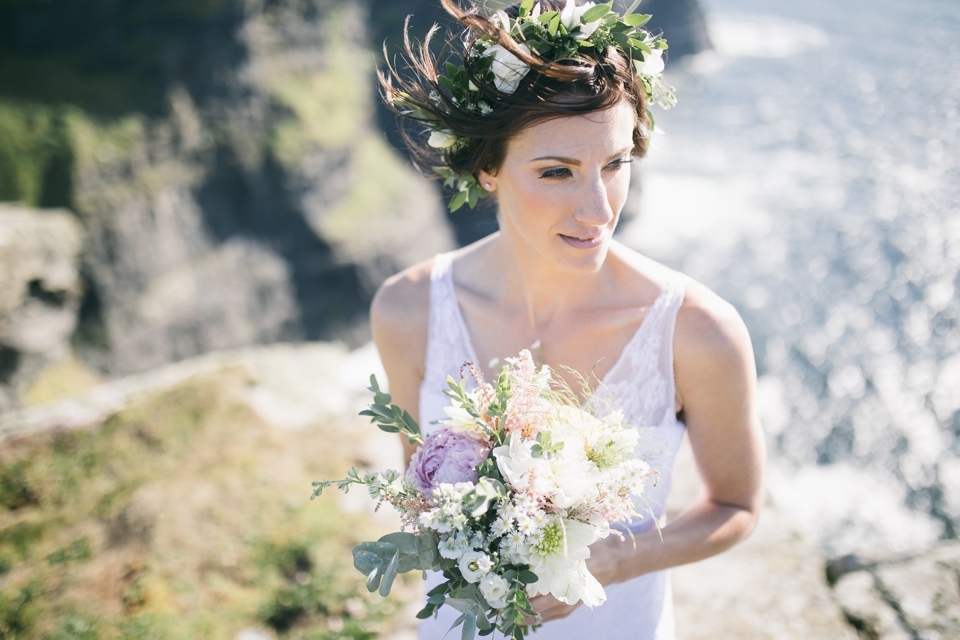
x=707, y=321
x=402, y=303
x=713, y=355
x=399, y=316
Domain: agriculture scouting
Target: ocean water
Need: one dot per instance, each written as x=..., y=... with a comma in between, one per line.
x=810, y=174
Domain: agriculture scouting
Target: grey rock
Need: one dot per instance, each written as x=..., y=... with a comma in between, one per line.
x=926, y=591
x=915, y=596
x=867, y=609
x=40, y=292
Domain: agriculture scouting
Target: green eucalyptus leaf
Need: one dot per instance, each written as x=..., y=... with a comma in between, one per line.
x=595, y=13
x=527, y=576
x=382, y=411
x=463, y=605
x=370, y=558
x=637, y=19
x=469, y=630
x=408, y=546
x=365, y=561
x=428, y=552
x=373, y=580
x=378, y=396
x=390, y=574
x=526, y=7
x=632, y=7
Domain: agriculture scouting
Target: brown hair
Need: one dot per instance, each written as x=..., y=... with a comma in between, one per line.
x=593, y=81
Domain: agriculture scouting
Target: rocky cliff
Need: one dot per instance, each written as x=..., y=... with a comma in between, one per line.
x=221, y=160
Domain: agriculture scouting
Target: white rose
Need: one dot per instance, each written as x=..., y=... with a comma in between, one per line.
x=571, y=17
x=442, y=139
x=494, y=588
x=508, y=69
x=474, y=565
x=517, y=465
x=652, y=63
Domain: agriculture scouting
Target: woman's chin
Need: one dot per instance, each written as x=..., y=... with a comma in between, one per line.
x=581, y=258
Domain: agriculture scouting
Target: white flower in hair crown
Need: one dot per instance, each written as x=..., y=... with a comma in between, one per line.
x=550, y=35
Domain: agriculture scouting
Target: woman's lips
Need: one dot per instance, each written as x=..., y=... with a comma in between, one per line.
x=582, y=242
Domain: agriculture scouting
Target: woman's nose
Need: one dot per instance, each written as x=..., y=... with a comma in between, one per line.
x=594, y=205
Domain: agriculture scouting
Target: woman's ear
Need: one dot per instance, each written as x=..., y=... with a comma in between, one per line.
x=487, y=181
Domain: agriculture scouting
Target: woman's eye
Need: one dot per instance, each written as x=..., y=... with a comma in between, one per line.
x=619, y=162
x=556, y=173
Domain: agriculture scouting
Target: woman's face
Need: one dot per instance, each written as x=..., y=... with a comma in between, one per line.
x=562, y=185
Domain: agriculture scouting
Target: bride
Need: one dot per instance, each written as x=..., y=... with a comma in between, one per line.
x=550, y=133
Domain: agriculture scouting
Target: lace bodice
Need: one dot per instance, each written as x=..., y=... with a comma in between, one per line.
x=641, y=384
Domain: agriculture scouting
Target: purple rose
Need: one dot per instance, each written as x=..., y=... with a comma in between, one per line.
x=448, y=457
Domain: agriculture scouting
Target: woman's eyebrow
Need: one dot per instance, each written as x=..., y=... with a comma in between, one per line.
x=574, y=161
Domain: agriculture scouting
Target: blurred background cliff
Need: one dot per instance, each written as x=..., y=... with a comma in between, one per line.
x=198, y=199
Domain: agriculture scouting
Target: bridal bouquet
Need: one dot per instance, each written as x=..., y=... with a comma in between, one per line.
x=505, y=498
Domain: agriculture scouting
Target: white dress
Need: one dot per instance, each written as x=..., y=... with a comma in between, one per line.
x=641, y=384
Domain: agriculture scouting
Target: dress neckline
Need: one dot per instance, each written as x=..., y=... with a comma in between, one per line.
x=635, y=338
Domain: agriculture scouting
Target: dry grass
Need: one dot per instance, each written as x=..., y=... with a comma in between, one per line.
x=184, y=516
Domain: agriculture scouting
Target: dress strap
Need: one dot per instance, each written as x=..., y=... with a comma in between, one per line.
x=641, y=383
x=441, y=265
x=446, y=346
x=677, y=289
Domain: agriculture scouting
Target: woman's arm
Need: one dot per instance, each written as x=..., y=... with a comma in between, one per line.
x=398, y=319
x=716, y=385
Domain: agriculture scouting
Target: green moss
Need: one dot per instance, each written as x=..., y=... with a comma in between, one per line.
x=104, y=140
x=19, y=539
x=382, y=180
x=36, y=157
x=43, y=147
x=19, y=611
x=76, y=551
x=327, y=108
x=75, y=627
x=15, y=488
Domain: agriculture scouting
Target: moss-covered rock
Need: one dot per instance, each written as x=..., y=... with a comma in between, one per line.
x=222, y=160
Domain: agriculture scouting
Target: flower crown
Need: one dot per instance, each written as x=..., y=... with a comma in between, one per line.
x=551, y=36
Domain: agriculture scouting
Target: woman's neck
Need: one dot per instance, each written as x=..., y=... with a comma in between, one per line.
x=525, y=281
